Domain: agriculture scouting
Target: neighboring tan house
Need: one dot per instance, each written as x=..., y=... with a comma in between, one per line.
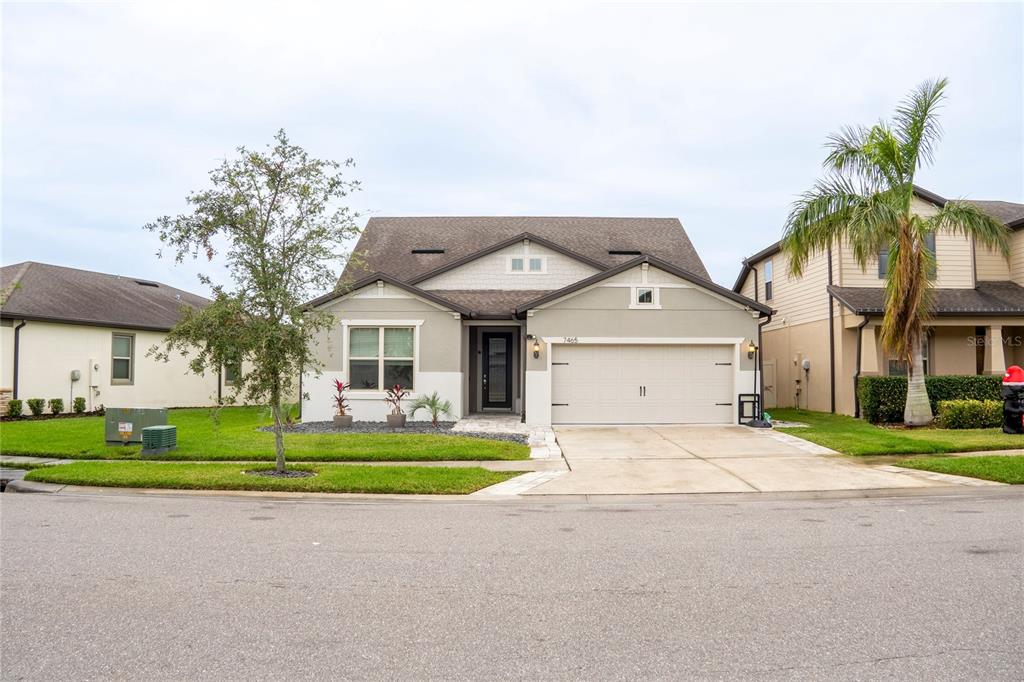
x=977, y=328
x=561, y=320
x=56, y=320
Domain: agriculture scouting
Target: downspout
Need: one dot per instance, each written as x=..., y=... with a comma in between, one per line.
x=17, y=353
x=760, y=366
x=522, y=380
x=220, y=382
x=856, y=375
x=831, y=341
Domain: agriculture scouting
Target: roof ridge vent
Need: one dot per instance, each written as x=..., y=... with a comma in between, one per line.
x=427, y=251
x=624, y=252
x=145, y=283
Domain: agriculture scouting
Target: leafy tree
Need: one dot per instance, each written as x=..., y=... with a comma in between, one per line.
x=277, y=219
x=865, y=202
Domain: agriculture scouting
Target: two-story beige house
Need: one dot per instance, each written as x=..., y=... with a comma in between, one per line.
x=556, y=319
x=824, y=332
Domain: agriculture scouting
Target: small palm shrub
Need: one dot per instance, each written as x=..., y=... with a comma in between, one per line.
x=35, y=406
x=78, y=405
x=14, y=408
x=433, y=404
x=56, y=405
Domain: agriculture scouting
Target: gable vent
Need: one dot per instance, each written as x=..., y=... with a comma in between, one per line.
x=428, y=250
x=144, y=283
x=614, y=252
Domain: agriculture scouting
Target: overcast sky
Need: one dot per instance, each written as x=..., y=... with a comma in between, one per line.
x=714, y=114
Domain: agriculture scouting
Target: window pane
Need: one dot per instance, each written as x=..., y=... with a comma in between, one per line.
x=122, y=369
x=398, y=342
x=122, y=346
x=768, y=271
x=645, y=296
x=535, y=265
x=363, y=343
x=398, y=372
x=231, y=371
x=767, y=291
x=883, y=262
x=897, y=368
x=517, y=265
x=362, y=374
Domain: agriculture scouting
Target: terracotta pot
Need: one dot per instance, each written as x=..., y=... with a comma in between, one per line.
x=396, y=421
x=342, y=421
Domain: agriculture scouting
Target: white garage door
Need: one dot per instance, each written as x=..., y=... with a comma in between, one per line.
x=642, y=384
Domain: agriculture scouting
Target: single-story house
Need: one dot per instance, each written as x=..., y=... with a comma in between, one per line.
x=556, y=319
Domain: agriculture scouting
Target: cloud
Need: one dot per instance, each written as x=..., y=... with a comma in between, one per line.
x=711, y=113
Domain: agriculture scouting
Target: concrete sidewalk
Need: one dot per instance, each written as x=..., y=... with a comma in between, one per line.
x=610, y=460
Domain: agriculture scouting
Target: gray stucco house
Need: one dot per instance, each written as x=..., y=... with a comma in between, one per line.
x=561, y=320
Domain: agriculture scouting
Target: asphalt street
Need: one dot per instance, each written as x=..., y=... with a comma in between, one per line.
x=717, y=587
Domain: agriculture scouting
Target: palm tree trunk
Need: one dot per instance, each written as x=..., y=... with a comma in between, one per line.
x=275, y=409
x=918, y=411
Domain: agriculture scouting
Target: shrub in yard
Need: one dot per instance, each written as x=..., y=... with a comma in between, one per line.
x=56, y=405
x=882, y=398
x=78, y=405
x=35, y=406
x=970, y=414
x=14, y=408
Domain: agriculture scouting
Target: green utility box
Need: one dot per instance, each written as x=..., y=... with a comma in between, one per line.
x=157, y=440
x=132, y=420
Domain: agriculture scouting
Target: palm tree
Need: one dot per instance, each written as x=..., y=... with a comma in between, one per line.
x=864, y=201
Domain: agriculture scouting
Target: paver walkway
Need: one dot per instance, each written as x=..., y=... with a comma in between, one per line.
x=636, y=460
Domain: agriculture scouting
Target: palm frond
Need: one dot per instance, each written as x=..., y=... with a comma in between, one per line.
x=959, y=217
x=917, y=123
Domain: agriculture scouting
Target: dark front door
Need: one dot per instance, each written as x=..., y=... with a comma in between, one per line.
x=497, y=369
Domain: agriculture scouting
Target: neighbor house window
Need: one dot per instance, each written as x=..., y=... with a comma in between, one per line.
x=380, y=357
x=122, y=358
x=883, y=257
x=536, y=264
x=231, y=372
x=767, y=280
x=929, y=243
x=515, y=264
x=883, y=263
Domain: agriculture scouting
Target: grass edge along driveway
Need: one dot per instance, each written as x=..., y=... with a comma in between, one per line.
x=330, y=478
x=1004, y=469
x=857, y=437
x=232, y=433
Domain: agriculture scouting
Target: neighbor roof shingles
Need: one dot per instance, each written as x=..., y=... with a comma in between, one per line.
x=386, y=244
x=50, y=292
x=989, y=298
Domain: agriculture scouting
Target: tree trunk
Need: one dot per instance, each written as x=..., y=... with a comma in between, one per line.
x=918, y=411
x=275, y=409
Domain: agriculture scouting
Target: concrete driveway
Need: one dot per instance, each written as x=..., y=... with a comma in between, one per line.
x=632, y=460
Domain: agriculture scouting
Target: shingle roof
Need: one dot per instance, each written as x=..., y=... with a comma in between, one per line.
x=38, y=291
x=490, y=302
x=989, y=298
x=386, y=244
x=1008, y=212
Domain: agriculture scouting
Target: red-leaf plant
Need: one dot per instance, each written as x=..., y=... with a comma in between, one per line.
x=395, y=395
x=340, y=399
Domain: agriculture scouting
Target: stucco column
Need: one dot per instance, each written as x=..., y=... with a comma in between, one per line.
x=868, y=351
x=995, y=360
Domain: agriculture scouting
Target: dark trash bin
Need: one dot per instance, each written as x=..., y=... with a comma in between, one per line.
x=1013, y=400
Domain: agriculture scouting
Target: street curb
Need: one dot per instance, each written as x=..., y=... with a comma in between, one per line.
x=22, y=486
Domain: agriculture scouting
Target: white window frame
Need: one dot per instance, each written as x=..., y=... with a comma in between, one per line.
x=769, y=280
x=381, y=325
x=543, y=265
x=634, y=298
x=118, y=381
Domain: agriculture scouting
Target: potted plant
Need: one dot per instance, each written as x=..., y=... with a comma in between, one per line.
x=434, y=405
x=395, y=395
x=342, y=420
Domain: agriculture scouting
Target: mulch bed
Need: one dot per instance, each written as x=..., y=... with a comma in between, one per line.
x=287, y=473
x=442, y=429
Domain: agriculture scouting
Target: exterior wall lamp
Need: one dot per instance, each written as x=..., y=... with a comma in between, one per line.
x=536, y=345
x=751, y=349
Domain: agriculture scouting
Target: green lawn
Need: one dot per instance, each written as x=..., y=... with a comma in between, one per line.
x=858, y=437
x=330, y=478
x=233, y=436
x=1008, y=469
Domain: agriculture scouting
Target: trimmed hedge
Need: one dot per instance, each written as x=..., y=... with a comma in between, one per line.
x=882, y=399
x=78, y=405
x=35, y=405
x=14, y=408
x=56, y=405
x=970, y=414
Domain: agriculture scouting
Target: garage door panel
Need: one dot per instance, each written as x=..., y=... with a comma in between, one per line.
x=601, y=384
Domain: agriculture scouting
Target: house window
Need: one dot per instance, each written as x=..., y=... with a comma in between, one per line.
x=645, y=296
x=524, y=264
x=883, y=263
x=536, y=264
x=767, y=280
x=122, y=359
x=883, y=257
x=929, y=243
x=231, y=372
x=380, y=357
x=898, y=368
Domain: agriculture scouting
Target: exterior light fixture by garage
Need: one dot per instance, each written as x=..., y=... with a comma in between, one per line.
x=536, y=345
x=751, y=350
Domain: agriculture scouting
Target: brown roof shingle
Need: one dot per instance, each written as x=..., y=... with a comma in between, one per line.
x=989, y=298
x=489, y=301
x=50, y=292
x=386, y=244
